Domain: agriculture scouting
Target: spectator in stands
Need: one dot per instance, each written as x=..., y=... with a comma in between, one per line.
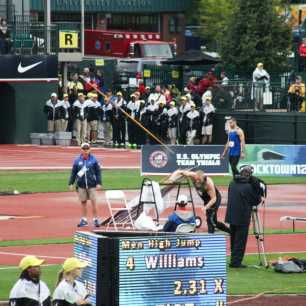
x=191, y=85
x=66, y=112
x=296, y=94
x=161, y=121
x=146, y=94
x=193, y=124
x=207, y=115
x=100, y=80
x=172, y=122
x=5, y=38
x=133, y=109
x=141, y=88
x=74, y=87
x=30, y=289
x=106, y=121
x=53, y=111
x=157, y=96
x=207, y=94
x=80, y=113
x=224, y=79
x=175, y=92
x=182, y=123
x=118, y=120
x=261, y=82
x=91, y=85
x=94, y=115
x=167, y=93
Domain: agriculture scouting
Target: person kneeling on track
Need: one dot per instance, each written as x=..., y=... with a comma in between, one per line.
x=29, y=290
x=180, y=216
x=69, y=291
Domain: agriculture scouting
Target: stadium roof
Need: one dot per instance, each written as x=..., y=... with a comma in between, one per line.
x=115, y=6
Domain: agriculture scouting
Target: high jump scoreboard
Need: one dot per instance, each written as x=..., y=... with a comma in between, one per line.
x=146, y=269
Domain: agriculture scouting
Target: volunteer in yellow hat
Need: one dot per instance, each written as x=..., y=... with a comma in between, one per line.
x=69, y=291
x=29, y=289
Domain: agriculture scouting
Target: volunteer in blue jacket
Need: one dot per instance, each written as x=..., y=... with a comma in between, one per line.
x=86, y=173
x=235, y=145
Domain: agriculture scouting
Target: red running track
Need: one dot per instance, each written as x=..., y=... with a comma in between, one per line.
x=55, y=215
x=31, y=157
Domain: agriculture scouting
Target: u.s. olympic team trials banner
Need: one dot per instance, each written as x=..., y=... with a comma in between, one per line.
x=276, y=160
x=157, y=159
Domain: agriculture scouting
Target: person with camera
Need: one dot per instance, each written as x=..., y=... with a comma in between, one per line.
x=296, y=94
x=244, y=193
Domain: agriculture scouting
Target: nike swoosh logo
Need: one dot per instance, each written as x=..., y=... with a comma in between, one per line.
x=24, y=69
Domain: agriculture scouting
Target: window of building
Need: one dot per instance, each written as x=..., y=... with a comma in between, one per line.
x=174, y=26
x=127, y=22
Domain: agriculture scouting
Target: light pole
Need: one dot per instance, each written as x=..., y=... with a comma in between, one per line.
x=82, y=27
x=48, y=25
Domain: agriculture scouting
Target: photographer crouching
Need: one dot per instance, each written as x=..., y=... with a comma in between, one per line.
x=245, y=193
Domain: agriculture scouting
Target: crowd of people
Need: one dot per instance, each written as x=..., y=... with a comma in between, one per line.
x=94, y=114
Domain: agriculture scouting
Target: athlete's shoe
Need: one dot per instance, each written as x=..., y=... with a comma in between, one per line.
x=96, y=223
x=83, y=223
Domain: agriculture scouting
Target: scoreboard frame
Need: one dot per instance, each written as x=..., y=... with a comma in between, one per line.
x=153, y=269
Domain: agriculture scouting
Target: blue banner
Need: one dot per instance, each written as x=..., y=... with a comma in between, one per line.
x=165, y=160
x=276, y=160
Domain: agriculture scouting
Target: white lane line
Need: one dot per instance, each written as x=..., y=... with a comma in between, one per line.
x=23, y=254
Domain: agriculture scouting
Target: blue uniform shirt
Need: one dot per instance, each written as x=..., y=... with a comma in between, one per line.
x=234, y=143
x=86, y=173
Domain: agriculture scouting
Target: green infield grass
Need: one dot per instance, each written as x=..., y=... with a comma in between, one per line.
x=57, y=181
x=247, y=281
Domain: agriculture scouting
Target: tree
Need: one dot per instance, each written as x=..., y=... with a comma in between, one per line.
x=211, y=17
x=256, y=33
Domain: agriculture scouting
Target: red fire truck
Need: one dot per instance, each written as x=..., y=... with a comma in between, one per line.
x=128, y=44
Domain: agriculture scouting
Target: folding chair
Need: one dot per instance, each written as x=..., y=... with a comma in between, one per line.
x=118, y=196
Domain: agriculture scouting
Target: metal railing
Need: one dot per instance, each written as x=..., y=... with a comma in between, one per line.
x=246, y=96
x=27, y=38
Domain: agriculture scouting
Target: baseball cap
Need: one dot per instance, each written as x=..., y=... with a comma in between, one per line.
x=119, y=93
x=53, y=95
x=65, y=95
x=85, y=145
x=80, y=94
x=183, y=98
x=30, y=261
x=73, y=263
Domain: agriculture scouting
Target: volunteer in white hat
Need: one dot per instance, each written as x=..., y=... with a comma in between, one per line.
x=70, y=291
x=29, y=289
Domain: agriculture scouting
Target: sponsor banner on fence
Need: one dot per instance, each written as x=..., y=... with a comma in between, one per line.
x=157, y=159
x=276, y=160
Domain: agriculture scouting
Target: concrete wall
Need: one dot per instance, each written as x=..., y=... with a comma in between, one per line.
x=23, y=110
x=265, y=128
